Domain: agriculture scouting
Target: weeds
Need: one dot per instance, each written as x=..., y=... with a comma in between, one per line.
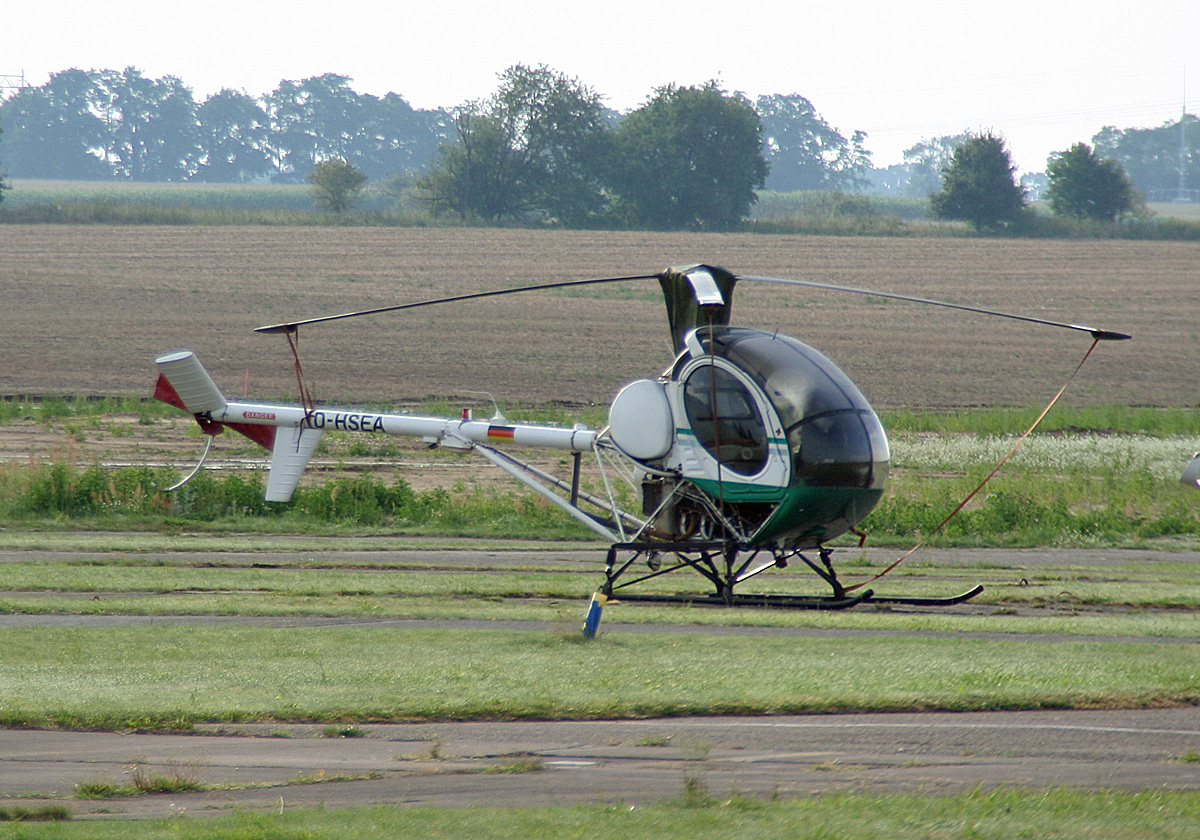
x=518, y=764
x=45, y=410
x=58, y=488
x=653, y=741
x=695, y=790
x=352, y=731
x=141, y=781
x=1071, y=493
x=49, y=813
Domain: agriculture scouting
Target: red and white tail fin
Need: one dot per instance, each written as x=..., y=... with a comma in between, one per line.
x=184, y=382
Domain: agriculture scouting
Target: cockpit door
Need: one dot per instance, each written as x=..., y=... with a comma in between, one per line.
x=728, y=430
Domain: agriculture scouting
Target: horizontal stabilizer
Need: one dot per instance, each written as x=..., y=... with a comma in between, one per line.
x=293, y=447
x=190, y=382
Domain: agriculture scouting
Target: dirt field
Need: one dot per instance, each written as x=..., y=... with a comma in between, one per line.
x=90, y=307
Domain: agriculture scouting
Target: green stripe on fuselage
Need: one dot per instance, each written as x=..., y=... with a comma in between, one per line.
x=740, y=491
x=804, y=516
x=808, y=516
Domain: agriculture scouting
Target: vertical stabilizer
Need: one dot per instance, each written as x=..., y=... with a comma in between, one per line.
x=293, y=447
x=1191, y=473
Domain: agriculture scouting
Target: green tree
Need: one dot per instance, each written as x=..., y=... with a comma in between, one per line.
x=336, y=184
x=312, y=120
x=927, y=160
x=54, y=130
x=804, y=152
x=235, y=135
x=534, y=148
x=1087, y=186
x=689, y=159
x=90, y=124
x=1159, y=161
x=978, y=185
x=154, y=131
x=322, y=117
x=469, y=180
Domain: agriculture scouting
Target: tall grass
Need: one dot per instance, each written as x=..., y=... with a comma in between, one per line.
x=1108, y=419
x=1075, y=491
x=120, y=213
x=1094, y=475
x=813, y=212
x=23, y=407
x=42, y=491
x=104, y=202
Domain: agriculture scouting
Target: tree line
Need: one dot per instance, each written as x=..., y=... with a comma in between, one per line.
x=99, y=124
x=542, y=148
x=108, y=124
x=979, y=186
x=1158, y=161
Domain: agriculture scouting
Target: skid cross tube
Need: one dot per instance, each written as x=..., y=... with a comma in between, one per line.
x=703, y=558
x=679, y=549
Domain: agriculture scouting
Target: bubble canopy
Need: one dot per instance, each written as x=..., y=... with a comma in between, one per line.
x=833, y=434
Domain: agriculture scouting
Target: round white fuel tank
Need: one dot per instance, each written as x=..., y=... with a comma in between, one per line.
x=640, y=421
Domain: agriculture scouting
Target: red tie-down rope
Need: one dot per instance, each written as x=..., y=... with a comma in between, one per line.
x=305, y=397
x=975, y=492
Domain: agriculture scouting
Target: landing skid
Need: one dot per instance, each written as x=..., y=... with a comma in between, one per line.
x=788, y=602
x=947, y=601
x=718, y=562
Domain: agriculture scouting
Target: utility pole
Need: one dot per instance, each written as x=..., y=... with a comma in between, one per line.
x=13, y=81
x=1182, y=193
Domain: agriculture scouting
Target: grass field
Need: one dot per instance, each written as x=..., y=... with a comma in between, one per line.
x=862, y=816
x=162, y=677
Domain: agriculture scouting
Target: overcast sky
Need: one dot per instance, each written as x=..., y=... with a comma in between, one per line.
x=1042, y=73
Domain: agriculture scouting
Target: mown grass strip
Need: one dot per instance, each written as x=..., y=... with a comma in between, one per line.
x=1104, y=815
x=567, y=614
x=174, y=676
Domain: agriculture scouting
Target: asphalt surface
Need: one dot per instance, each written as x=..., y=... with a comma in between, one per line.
x=271, y=767
x=453, y=764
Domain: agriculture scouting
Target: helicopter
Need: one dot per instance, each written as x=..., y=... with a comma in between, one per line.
x=751, y=450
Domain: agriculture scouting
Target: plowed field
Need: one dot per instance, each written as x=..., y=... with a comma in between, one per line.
x=88, y=309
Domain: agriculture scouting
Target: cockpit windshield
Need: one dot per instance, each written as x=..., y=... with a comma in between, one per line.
x=834, y=436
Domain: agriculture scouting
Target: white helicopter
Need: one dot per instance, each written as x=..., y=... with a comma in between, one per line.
x=750, y=450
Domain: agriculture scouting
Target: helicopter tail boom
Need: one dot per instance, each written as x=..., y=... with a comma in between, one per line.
x=291, y=432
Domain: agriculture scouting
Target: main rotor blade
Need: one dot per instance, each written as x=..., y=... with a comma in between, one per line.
x=291, y=326
x=1098, y=334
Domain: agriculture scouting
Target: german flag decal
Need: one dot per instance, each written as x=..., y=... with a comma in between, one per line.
x=503, y=432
